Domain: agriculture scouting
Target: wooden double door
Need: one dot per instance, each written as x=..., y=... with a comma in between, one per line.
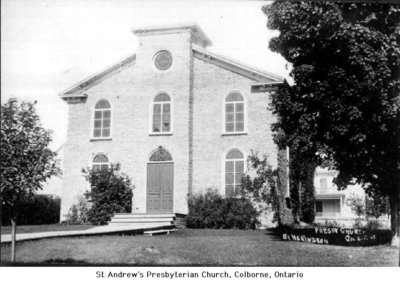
x=160, y=187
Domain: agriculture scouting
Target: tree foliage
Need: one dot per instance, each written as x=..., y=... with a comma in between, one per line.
x=26, y=160
x=110, y=192
x=267, y=186
x=344, y=106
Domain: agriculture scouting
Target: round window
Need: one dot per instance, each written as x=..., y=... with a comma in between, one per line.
x=163, y=60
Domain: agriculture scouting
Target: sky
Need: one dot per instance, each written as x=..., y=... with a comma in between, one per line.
x=49, y=45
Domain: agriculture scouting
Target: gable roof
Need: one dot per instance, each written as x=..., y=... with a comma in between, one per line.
x=235, y=66
x=261, y=78
x=78, y=89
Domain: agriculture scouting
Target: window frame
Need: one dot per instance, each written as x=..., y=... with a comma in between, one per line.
x=223, y=177
x=171, y=112
x=92, y=138
x=153, y=58
x=100, y=153
x=224, y=102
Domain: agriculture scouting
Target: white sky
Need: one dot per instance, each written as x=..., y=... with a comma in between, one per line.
x=48, y=45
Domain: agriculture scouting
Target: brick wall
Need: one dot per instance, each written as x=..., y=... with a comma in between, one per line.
x=211, y=84
x=195, y=87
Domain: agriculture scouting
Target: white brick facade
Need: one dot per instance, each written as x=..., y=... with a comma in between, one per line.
x=197, y=87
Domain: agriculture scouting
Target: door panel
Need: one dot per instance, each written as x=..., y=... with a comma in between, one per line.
x=160, y=185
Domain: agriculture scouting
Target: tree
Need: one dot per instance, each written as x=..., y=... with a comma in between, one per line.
x=26, y=160
x=267, y=186
x=344, y=106
x=110, y=192
x=377, y=205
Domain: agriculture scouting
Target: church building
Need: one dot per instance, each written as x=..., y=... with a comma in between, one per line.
x=177, y=117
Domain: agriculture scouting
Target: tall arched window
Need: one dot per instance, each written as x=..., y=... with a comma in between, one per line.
x=234, y=170
x=102, y=119
x=161, y=114
x=234, y=113
x=100, y=162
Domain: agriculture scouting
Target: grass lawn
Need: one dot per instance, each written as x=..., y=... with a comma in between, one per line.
x=196, y=247
x=44, y=228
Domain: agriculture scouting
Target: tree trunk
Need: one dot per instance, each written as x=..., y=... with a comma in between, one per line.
x=13, y=238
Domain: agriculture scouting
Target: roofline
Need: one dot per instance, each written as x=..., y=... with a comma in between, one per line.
x=157, y=29
x=77, y=89
x=236, y=66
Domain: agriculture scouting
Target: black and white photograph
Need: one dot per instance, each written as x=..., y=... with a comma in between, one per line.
x=180, y=134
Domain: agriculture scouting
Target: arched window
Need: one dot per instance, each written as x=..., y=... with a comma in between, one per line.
x=162, y=113
x=100, y=162
x=234, y=170
x=234, y=113
x=102, y=119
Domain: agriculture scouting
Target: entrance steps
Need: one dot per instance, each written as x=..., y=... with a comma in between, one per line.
x=144, y=220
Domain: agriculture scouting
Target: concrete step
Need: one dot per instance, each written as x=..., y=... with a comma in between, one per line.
x=140, y=225
x=137, y=215
x=141, y=219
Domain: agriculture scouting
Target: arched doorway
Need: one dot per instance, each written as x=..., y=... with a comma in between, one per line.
x=160, y=182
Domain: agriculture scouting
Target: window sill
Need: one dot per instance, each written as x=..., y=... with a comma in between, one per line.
x=160, y=134
x=233, y=133
x=101, y=139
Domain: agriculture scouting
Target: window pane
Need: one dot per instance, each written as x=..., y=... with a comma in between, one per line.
x=229, y=117
x=323, y=184
x=106, y=123
x=97, y=114
x=156, y=123
x=100, y=158
x=96, y=132
x=238, y=179
x=318, y=206
x=229, y=127
x=104, y=167
x=234, y=96
x=239, y=126
x=165, y=127
x=106, y=132
x=106, y=114
x=162, y=97
x=166, y=108
x=238, y=189
x=239, y=166
x=157, y=109
x=239, y=107
x=229, y=166
x=97, y=123
x=239, y=117
x=234, y=154
x=96, y=168
x=102, y=104
x=166, y=117
x=229, y=178
x=229, y=190
x=229, y=108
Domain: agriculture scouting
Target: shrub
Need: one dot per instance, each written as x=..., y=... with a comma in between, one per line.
x=211, y=210
x=38, y=209
x=78, y=213
x=110, y=192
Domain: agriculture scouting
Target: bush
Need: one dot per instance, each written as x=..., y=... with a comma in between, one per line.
x=78, y=213
x=211, y=210
x=111, y=192
x=38, y=209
